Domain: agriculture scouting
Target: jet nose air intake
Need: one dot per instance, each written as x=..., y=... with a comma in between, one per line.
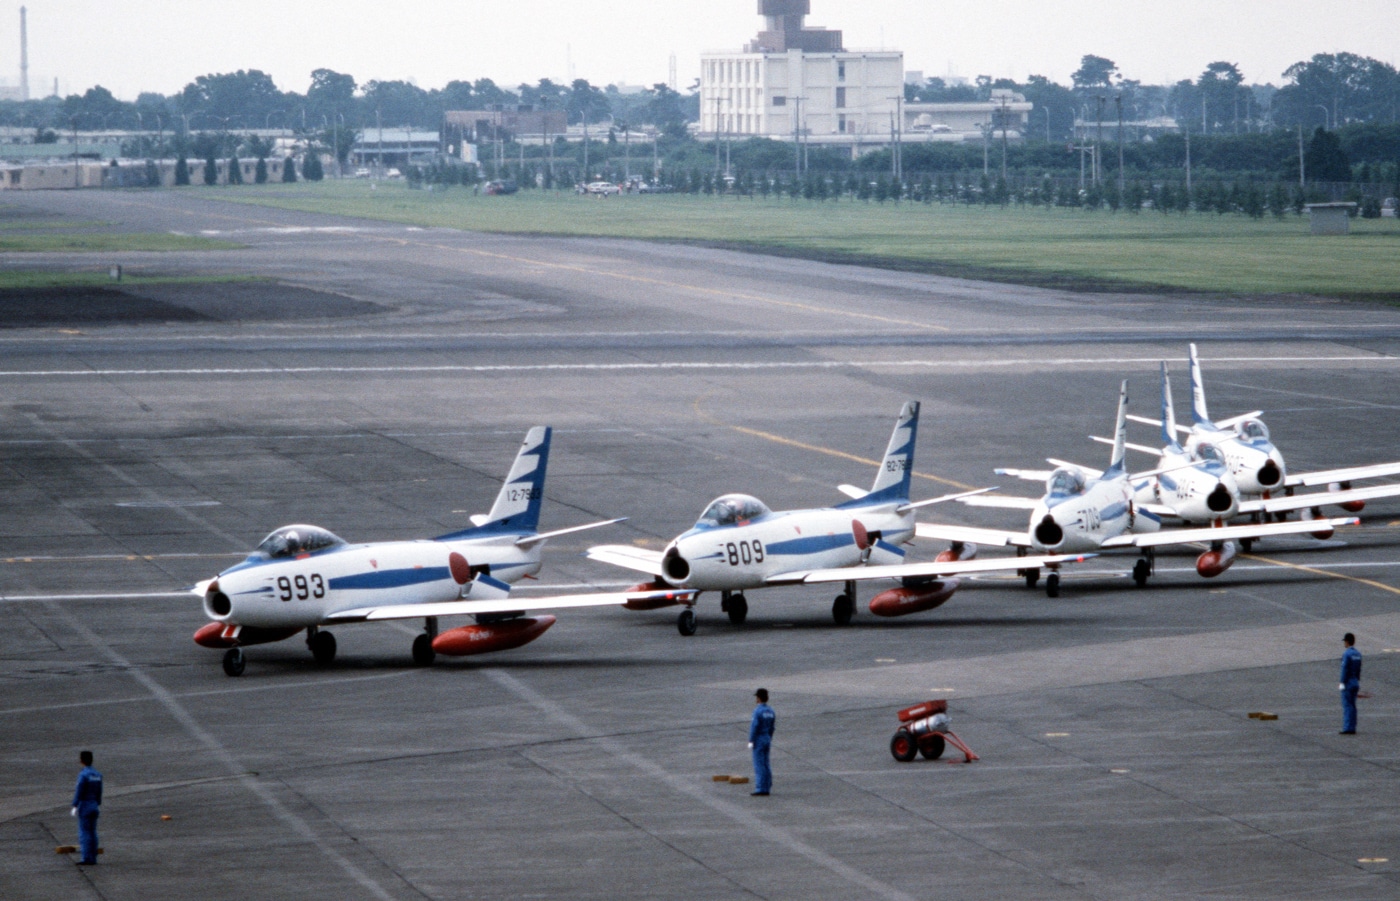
x=1049, y=533
x=1269, y=474
x=1220, y=499
x=675, y=567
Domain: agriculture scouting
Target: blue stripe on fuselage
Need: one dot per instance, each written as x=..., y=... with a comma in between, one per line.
x=391, y=578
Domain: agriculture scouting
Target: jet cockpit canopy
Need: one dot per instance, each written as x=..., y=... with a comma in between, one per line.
x=731, y=509
x=1209, y=453
x=1064, y=482
x=289, y=541
x=1253, y=430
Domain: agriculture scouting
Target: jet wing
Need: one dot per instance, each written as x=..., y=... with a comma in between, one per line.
x=905, y=508
x=504, y=605
x=1190, y=536
x=627, y=557
x=1327, y=476
x=1147, y=420
x=1319, y=499
x=1030, y=475
x=1004, y=501
x=529, y=540
x=931, y=569
x=971, y=535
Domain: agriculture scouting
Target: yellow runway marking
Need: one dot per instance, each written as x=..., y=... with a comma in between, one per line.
x=830, y=452
x=1322, y=572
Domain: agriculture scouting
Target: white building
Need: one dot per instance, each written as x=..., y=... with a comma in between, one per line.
x=797, y=80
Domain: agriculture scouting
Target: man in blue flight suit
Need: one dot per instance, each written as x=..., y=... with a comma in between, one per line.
x=760, y=740
x=87, y=798
x=1351, y=683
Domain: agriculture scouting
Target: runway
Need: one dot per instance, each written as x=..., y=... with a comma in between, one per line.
x=376, y=379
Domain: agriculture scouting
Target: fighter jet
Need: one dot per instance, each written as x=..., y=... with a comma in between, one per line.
x=739, y=544
x=1267, y=490
x=1085, y=510
x=303, y=577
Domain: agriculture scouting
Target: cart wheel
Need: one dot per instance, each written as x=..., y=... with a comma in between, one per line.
x=932, y=747
x=902, y=747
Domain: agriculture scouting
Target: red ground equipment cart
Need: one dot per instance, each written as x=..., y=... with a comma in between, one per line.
x=923, y=729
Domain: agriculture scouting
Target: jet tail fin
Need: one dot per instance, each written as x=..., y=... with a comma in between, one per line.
x=1199, y=416
x=1120, y=435
x=1168, y=413
x=896, y=469
x=518, y=502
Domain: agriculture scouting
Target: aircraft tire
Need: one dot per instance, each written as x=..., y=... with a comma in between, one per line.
x=1032, y=577
x=423, y=653
x=842, y=609
x=903, y=747
x=234, y=662
x=1246, y=544
x=322, y=648
x=1141, y=570
x=685, y=623
x=738, y=609
x=1052, y=585
x=931, y=746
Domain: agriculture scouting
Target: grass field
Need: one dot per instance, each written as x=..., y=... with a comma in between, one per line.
x=104, y=242
x=25, y=279
x=1197, y=252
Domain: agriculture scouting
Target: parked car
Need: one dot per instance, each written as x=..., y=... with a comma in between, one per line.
x=502, y=186
x=602, y=187
x=655, y=189
x=362, y=172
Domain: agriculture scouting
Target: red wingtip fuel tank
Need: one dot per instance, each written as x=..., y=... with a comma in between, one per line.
x=223, y=636
x=1321, y=534
x=902, y=601
x=957, y=553
x=487, y=637
x=651, y=603
x=1214, y=562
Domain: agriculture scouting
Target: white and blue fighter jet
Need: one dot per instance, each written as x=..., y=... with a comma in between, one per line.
x=1085, y=510
x=1268, y=490
x=739, y=544
x=304, y=577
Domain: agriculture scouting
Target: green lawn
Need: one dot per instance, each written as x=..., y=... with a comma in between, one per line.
x=1199, y=252
x=105, y=242
x=16, y=279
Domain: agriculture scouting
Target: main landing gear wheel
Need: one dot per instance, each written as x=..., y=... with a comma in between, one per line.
x=738, y=609
x=1052, y=585
x=903, y=747
x=685, y=623
x=931, y=746
x=842, y=609
x=322, y=646
x=423, y=652
x=1246, y=544
x=234, y=661
x=1141, y=570
x=1032, y=577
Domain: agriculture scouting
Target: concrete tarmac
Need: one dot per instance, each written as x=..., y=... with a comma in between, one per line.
x=378, y=381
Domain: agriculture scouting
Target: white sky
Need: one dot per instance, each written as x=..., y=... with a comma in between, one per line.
x=131, y=46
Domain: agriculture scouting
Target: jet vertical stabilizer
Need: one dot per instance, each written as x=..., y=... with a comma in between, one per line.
x=1199, y=416
x=1120, y=435
x=896, y=470
x=518, y=504
x=1169, y=441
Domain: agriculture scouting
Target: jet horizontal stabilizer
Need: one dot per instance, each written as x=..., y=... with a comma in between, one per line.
x=527, y=540
x=1004, y=501
x=905, y=508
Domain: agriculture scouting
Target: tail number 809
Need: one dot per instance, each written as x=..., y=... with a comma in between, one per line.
x=744, y=552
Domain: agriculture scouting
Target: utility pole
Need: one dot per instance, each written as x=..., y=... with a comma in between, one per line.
x=797, y=134
x=986, y=136
x=1188, y=159
x=1098, y=140
x=585, y=145
x=1119, y=101
x=716, y=135
x=379, y=123
x=1302, y=172
x=1005, y=114
x=897, y=136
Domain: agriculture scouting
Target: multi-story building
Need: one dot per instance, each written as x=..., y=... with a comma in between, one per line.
x=795, y=80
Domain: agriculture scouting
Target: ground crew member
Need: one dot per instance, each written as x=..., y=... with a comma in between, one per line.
x=87, y=798
x=1351, y=683
x=760, y=740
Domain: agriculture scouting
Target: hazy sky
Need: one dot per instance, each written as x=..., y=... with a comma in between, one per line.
x=160, y=45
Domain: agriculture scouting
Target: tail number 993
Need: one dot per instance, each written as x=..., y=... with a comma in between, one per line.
x=301, y=587
x=745, y=552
